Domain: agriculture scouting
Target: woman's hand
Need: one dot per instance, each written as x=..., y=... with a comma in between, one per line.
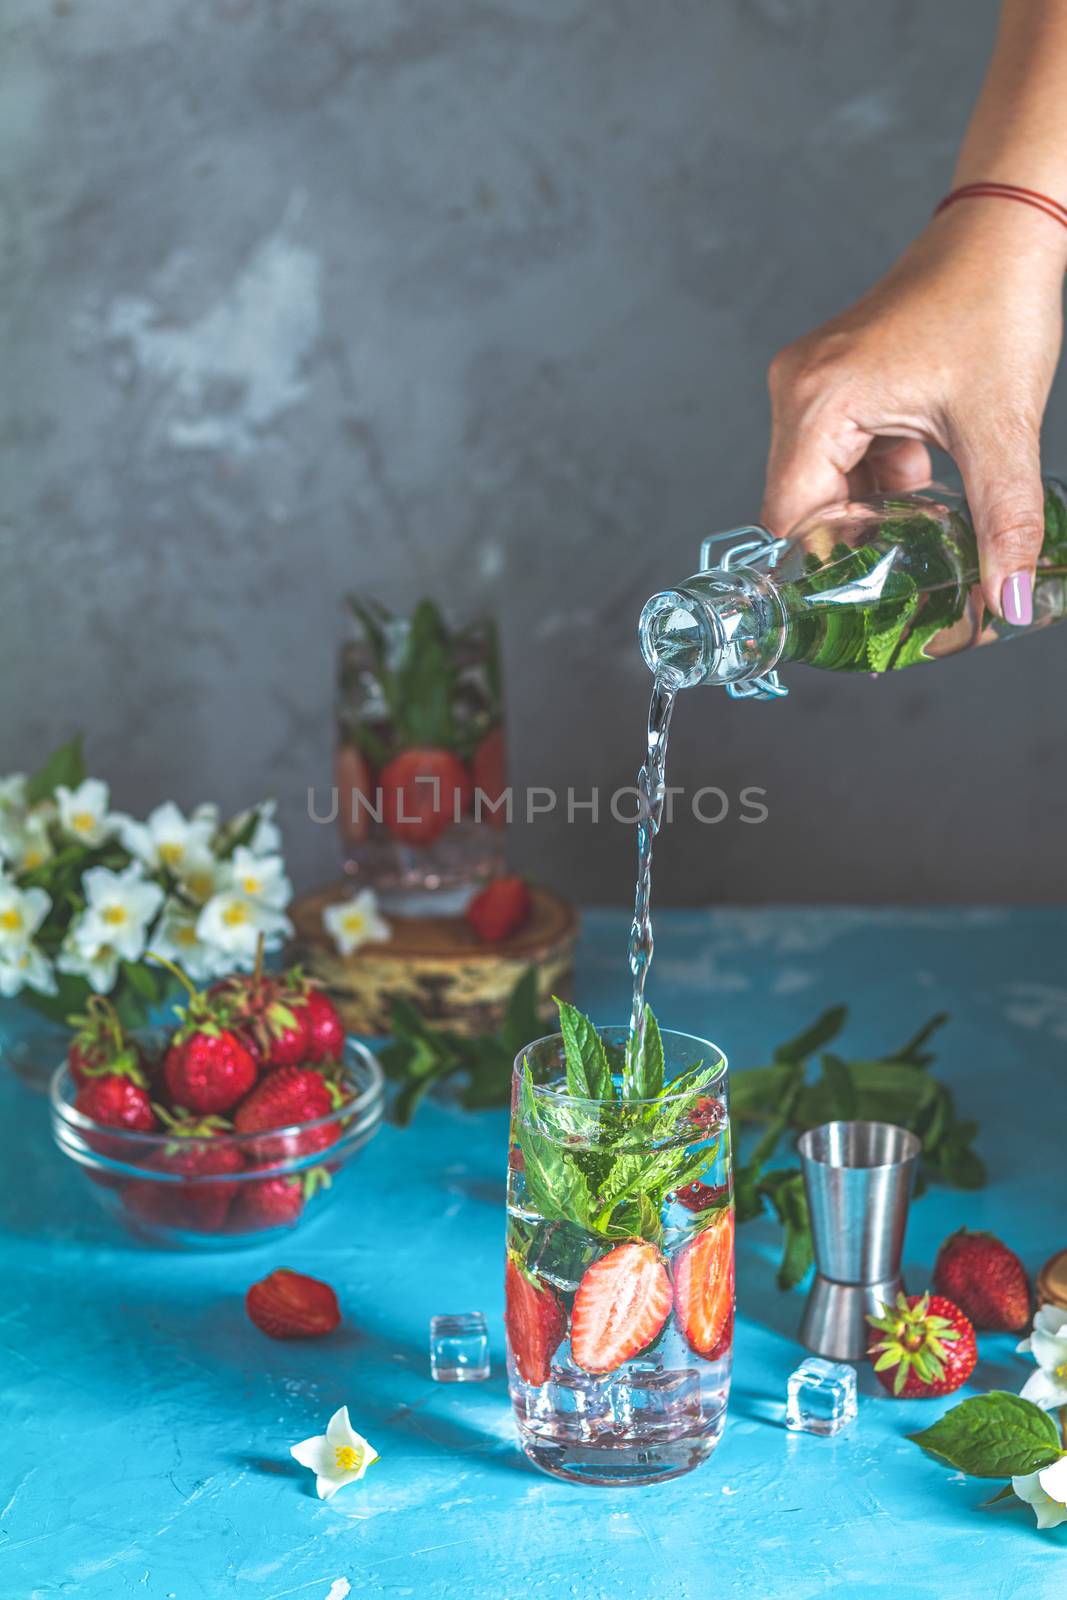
x=956, y=347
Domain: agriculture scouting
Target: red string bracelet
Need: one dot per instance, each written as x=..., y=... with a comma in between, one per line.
x=992, y=189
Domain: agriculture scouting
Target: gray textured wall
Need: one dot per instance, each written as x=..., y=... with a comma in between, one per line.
x=473, y=297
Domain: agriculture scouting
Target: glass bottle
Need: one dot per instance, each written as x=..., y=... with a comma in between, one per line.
x=863, y=586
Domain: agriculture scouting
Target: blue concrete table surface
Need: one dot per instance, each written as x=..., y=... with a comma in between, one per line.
x=146, y=1424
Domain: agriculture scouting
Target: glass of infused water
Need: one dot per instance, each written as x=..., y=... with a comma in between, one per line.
x=620, y=1252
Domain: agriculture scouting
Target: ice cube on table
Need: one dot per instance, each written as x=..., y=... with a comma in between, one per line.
x=821, y=1397
x=664, y=1398
x=459, y=1348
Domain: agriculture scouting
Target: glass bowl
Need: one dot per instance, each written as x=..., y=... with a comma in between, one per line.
x=257, y=1186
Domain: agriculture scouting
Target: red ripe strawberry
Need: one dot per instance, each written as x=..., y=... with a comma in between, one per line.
x=100, y=1044
x=352, y=778
x=423, y=791
x=207, y=1069
x=288, y=1305
x=708, y=1112
x=286, y=1096
x=266, y=1012
x=276, y=1202
x=535, y=1320
x=323, y=1026
x=927, y=1347
x=985, y=1279
x=704, y=1286
x=500, y=909
x=700, y=1197
x=490, y=773
x=194, y=1151
x=119, y=1100
x=620, y=1306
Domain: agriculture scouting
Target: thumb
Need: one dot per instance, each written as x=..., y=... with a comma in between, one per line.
x=1002, y=480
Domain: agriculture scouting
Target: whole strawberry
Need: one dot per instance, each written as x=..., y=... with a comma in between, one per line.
x=118, y=1100
x=985, y=1279
x=276, y=1202
x=286, y=1096
x=266, y=1014
x=194, y=1151
x=323, y=1025
x=923, y=1346
x=207, y=1069
x=100, y=1044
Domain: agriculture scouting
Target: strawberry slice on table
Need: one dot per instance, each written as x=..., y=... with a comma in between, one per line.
x=704, y=1286
x=423, y=791
x=289, y=1305
x=500, y=909
x=620, y=1306
x=286, y=1096
x=535, y=1320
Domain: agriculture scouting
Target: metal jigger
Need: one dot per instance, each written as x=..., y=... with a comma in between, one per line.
x=858, y=1177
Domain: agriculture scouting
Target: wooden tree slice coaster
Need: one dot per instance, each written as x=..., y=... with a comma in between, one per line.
x=1052, y=1281
x=437, y=964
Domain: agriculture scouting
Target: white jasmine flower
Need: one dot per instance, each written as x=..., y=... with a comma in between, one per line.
x=1046, y=1492
x=206, y=811
x=99, y=964
x=176, y=938
x=119, y=907
x=29, y=968
x=1047, y=1387
x=13, y=793
x=355, y=922
x=201, y=875
x=336, y=1457
x=24, y=842
x=260, y=877
x=266, y=837
x=166, y=838
x=233, y=922
x=83, y=812
x=21, y=913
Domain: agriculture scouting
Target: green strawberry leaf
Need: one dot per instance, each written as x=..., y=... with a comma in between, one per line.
x=995, y=1435
x=588, y=1073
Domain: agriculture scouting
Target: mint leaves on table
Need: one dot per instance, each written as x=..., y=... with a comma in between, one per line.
x=478, y=1066
x=996, y=1435
x=422, y=667
x=784, y=1099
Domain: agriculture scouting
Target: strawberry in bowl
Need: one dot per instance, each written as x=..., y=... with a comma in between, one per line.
x=222, y=1145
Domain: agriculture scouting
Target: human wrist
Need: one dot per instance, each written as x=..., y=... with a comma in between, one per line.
x=1004, y=234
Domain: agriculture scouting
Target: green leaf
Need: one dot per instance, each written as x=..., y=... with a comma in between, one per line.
x=423, y=684
x=141, y=980
x=645, y=1080
x=913, y=1051
x=588, y=1073
x=522, y=1019
x=822, y=1030
x=64, y=766
x=995, y=1435
x=785, y=1191
x=755, y=1092
x=1007, y=1493
x=840, y=1088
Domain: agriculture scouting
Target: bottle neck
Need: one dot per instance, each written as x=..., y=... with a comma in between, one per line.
x=719, y=627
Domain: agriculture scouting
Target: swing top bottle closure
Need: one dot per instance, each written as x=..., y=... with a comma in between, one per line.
x=863, y=586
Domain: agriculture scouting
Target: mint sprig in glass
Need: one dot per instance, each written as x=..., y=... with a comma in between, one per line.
x=620, y=1259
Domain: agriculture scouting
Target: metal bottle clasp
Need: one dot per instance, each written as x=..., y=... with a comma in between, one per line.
x=752, y=546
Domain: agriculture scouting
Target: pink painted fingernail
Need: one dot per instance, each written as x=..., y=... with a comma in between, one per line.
x=1017, y=600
